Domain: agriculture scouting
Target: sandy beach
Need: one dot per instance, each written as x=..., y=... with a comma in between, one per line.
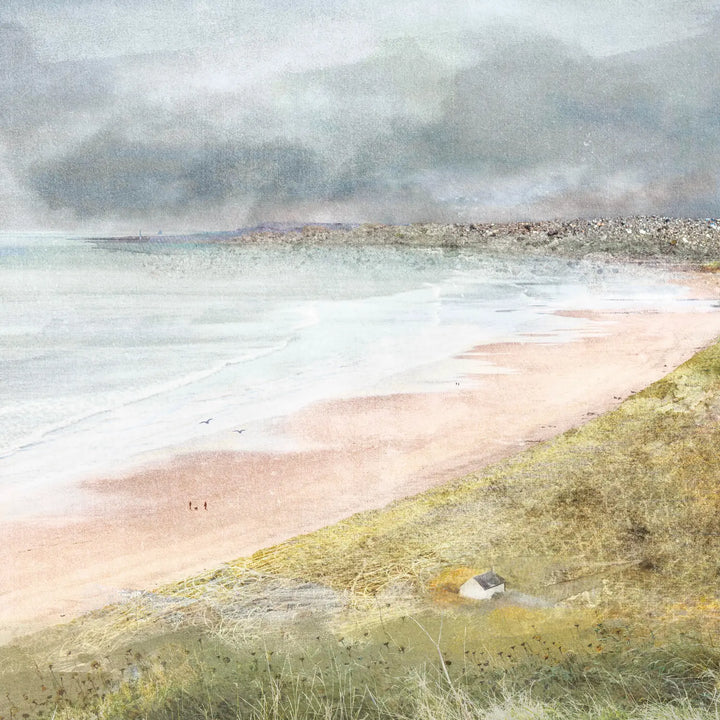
x=197, y=510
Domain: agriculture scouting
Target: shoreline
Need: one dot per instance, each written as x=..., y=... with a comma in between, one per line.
x=137, y=531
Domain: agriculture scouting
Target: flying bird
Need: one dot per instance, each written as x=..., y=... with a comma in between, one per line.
x=205, y=422
x=239, y=432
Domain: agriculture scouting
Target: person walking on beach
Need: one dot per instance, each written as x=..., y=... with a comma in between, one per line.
x=205, y=504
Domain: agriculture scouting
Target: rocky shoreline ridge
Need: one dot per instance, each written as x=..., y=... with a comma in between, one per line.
x=640, y=238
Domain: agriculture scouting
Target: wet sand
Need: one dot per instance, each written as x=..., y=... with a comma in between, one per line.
x=142, y=530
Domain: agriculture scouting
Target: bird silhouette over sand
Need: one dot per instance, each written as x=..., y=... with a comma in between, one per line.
x=205, y=422
x=239, y=432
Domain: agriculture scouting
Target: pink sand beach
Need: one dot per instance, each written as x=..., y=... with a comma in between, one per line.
x=141, y=530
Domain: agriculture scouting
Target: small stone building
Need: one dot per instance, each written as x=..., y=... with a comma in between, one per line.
x=482, y=587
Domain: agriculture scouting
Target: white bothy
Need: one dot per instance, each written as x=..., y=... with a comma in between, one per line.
x=482, y=587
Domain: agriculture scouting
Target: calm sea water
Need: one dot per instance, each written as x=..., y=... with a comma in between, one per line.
x=109, y=351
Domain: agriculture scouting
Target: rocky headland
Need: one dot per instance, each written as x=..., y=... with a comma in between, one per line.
x=637, y=238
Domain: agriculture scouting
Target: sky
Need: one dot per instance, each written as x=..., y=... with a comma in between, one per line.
x=125, y=115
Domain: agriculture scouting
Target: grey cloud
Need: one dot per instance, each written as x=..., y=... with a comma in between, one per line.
x=111, y=174
x=399, y=79
x=534, y=102
x=527, y=126
x=274, y=170
x=640, y=115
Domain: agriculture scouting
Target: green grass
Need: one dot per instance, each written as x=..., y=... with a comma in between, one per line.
x=611, y=531
x=329, y=678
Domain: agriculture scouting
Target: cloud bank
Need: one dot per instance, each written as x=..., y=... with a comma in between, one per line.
x=208, y=116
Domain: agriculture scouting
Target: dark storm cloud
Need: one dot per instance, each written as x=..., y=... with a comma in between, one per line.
x=536, y=102
x=529, y=104
x=633, y=133
x=503, y=121
x=642, y=129
x=114, y=175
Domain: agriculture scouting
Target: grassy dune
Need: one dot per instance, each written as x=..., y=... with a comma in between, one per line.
x=608, y=536
x=624, y=510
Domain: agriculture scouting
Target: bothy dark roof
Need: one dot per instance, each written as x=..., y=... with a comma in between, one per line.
x=489, y=580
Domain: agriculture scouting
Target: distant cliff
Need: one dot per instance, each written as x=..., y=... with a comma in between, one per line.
x=683, y=240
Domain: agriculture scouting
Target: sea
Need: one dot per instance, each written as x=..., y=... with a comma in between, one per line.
x=113, y=353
